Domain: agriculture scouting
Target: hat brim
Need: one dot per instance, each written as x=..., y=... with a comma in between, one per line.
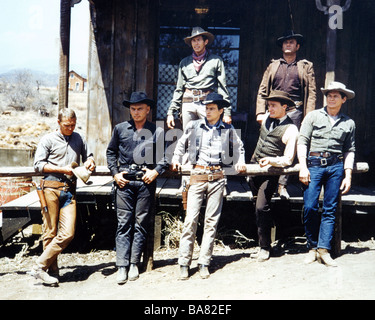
x=209, y=36
x=299, y=37
x=222, y=103
x=348, y=93
x=149, y=102
x=281, y=99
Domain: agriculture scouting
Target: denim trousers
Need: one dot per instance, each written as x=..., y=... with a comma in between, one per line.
x=320, y=228
x=214, y=201
x=134, y=205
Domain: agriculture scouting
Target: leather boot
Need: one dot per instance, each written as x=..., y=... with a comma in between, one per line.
x=311, y=256
x=262, y=255
x=39, y=273
x=323, y=256
x=203, y=271
x=184, y=272
x=122, y=275
x=133, y=272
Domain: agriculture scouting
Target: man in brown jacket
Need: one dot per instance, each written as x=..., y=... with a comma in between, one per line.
x=293, y=76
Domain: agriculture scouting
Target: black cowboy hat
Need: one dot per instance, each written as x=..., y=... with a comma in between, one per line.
x=216, y=98
x=137, y=97
x=290, y=35
x=281, y=96
x=198, y=31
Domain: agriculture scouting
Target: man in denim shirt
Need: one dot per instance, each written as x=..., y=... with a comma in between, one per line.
x=135, y=157
x=326, y=149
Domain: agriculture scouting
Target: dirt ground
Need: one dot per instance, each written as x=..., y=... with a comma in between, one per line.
x=234, y=275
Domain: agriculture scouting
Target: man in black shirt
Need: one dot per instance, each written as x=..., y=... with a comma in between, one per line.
x=135, y=157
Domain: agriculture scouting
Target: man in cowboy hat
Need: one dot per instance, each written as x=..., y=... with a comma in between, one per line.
x=291, y=75
x=198, y=75
x=276, y=147
x=210, y=141
x=132, y=159
x=326, y=150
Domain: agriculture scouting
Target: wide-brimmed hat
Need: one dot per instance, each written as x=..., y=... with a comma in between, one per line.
x=198, y=31
x=137, y=97
x=216, y=98
x=338, y=86
x=280, y=96
x=290, y=35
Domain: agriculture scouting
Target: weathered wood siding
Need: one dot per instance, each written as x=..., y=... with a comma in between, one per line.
x=124, y=58
x=122, y=53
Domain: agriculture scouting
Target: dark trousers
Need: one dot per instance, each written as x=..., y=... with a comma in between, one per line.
x=134, y=205
x=264, y=187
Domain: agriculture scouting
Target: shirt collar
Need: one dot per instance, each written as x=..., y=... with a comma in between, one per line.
x=282, y=60
x=339, y=115
x=217, y=125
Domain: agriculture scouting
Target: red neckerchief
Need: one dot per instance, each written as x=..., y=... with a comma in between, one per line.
x=198, y=61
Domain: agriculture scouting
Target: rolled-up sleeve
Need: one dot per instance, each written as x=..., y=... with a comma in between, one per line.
x=41, y=155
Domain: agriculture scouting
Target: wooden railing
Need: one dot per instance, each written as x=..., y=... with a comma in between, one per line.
x=251, y=169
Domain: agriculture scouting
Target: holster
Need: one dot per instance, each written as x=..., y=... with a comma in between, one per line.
x=185, y=190
x=184, y=198
x=42, y=198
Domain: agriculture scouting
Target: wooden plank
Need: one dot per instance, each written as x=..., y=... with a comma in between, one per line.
x=25, y=202
x=170, y=189
x=236, y=191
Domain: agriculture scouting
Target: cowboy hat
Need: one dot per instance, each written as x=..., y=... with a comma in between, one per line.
x=216, y=98
x=338, y=86
x=290, y=35
x=198, y=31
x=281, y=96
x=137, y=97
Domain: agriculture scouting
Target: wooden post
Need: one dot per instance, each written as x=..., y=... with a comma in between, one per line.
x=64, y=53
x=337, y=236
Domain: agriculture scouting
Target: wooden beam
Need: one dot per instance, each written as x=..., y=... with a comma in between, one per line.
x=251, y=170
x=64, y=53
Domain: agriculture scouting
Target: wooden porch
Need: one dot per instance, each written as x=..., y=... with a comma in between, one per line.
x=94, y=201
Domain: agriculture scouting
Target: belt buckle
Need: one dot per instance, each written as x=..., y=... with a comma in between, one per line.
x=210, y=177
x=323, y=162
x=196, y=98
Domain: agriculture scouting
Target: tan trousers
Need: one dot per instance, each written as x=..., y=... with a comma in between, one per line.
x=58, y=228
x=214, y=192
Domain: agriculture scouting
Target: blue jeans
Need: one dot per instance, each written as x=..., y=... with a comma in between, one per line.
x=319, y=230
x=134, y=205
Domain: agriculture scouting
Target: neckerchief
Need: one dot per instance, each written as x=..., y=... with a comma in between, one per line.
x=198, y=61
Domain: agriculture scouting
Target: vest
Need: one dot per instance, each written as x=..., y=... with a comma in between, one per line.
x=270, y=144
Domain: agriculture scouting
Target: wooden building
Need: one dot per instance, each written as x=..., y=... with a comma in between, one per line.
x=76, y=82
x=137, y=44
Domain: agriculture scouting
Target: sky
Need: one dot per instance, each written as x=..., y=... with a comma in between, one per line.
x=29, y=35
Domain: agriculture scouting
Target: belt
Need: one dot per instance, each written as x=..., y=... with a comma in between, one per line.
x=211, y=168
x=195, y=95
x=324, y=160
x=196, y=178
x=320, y=154
x=56, y=184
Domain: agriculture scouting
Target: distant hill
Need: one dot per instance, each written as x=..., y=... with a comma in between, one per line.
x=47, y=80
